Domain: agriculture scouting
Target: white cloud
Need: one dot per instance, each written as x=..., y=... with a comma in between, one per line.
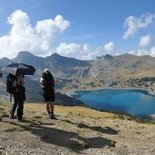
x=70, y=50
x=152, y=51
x=83, y=52
x=144, y=41
x=39, y=40
x=133, y=24
x=139, y=52
x=110, y=47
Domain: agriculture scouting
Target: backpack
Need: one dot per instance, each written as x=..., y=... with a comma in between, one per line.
x=10, y=88
x=48, y=81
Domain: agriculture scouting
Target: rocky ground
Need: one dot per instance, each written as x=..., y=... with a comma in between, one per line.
x=76, y=131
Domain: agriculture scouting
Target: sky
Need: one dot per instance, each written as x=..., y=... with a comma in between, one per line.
x=81, y=29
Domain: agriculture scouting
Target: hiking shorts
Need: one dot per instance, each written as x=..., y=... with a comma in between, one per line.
x=49, y=96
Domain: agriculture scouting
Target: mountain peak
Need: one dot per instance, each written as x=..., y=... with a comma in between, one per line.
x=29, y=58
x=24, y=53
x=4, y=61
x=56, y=55
x=108, y=57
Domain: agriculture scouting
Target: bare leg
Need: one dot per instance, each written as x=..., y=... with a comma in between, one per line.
x=47, y=108
x=51, y=104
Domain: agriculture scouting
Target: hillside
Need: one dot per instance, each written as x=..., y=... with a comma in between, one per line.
x=77, y=130
x=123, y=71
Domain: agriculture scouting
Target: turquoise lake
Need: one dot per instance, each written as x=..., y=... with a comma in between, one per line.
x=134, y=102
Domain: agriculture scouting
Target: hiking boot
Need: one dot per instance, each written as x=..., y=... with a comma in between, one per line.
x=19, y=119
x=49, y=114
x=52, y=116
x=12, y=116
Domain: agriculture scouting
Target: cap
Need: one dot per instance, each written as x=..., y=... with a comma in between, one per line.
x=46, y=70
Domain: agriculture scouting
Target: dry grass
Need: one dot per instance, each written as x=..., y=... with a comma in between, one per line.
x=77, y=128
x=65, y=110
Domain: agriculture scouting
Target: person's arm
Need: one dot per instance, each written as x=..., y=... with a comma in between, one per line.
x=41, y=80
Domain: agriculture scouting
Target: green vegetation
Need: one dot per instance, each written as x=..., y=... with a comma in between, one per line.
x=139, y=119
x=63, y=99
x=138, y=82
x=114, y=83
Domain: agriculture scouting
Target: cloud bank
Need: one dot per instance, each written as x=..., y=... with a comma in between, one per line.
x=84, y=52
x=43, y=39
x=39, y=40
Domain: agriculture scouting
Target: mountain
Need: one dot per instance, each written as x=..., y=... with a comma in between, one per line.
x=64, y=66
x=105, y=71
x=59, y=60
x=59, y=65
x=29, y=58
x=4, y=61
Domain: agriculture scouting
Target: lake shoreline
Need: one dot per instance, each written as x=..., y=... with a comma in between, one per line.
x=72, y=91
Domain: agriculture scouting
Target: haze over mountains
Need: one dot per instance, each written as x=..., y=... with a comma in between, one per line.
x=104, y=71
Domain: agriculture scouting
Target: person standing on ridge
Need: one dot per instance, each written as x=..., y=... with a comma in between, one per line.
x=47, y=84
x=19, y=97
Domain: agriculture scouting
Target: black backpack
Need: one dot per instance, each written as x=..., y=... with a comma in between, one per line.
x=48, y=81
x=9, y=84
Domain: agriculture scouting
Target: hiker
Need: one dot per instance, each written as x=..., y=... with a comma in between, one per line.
x=47, y=84
x=19, y=97
x=11, y=88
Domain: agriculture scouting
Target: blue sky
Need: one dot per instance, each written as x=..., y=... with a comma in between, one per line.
x=83, y=29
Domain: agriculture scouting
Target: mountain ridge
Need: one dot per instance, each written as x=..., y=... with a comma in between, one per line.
x=123, y=71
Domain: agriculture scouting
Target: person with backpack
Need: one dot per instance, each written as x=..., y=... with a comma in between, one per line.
x=11, y=88
x=47, y=85
x=15, y=86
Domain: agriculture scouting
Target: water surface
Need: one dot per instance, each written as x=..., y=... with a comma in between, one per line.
x=134, y=102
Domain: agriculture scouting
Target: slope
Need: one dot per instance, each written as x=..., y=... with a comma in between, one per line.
x=77, y=130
